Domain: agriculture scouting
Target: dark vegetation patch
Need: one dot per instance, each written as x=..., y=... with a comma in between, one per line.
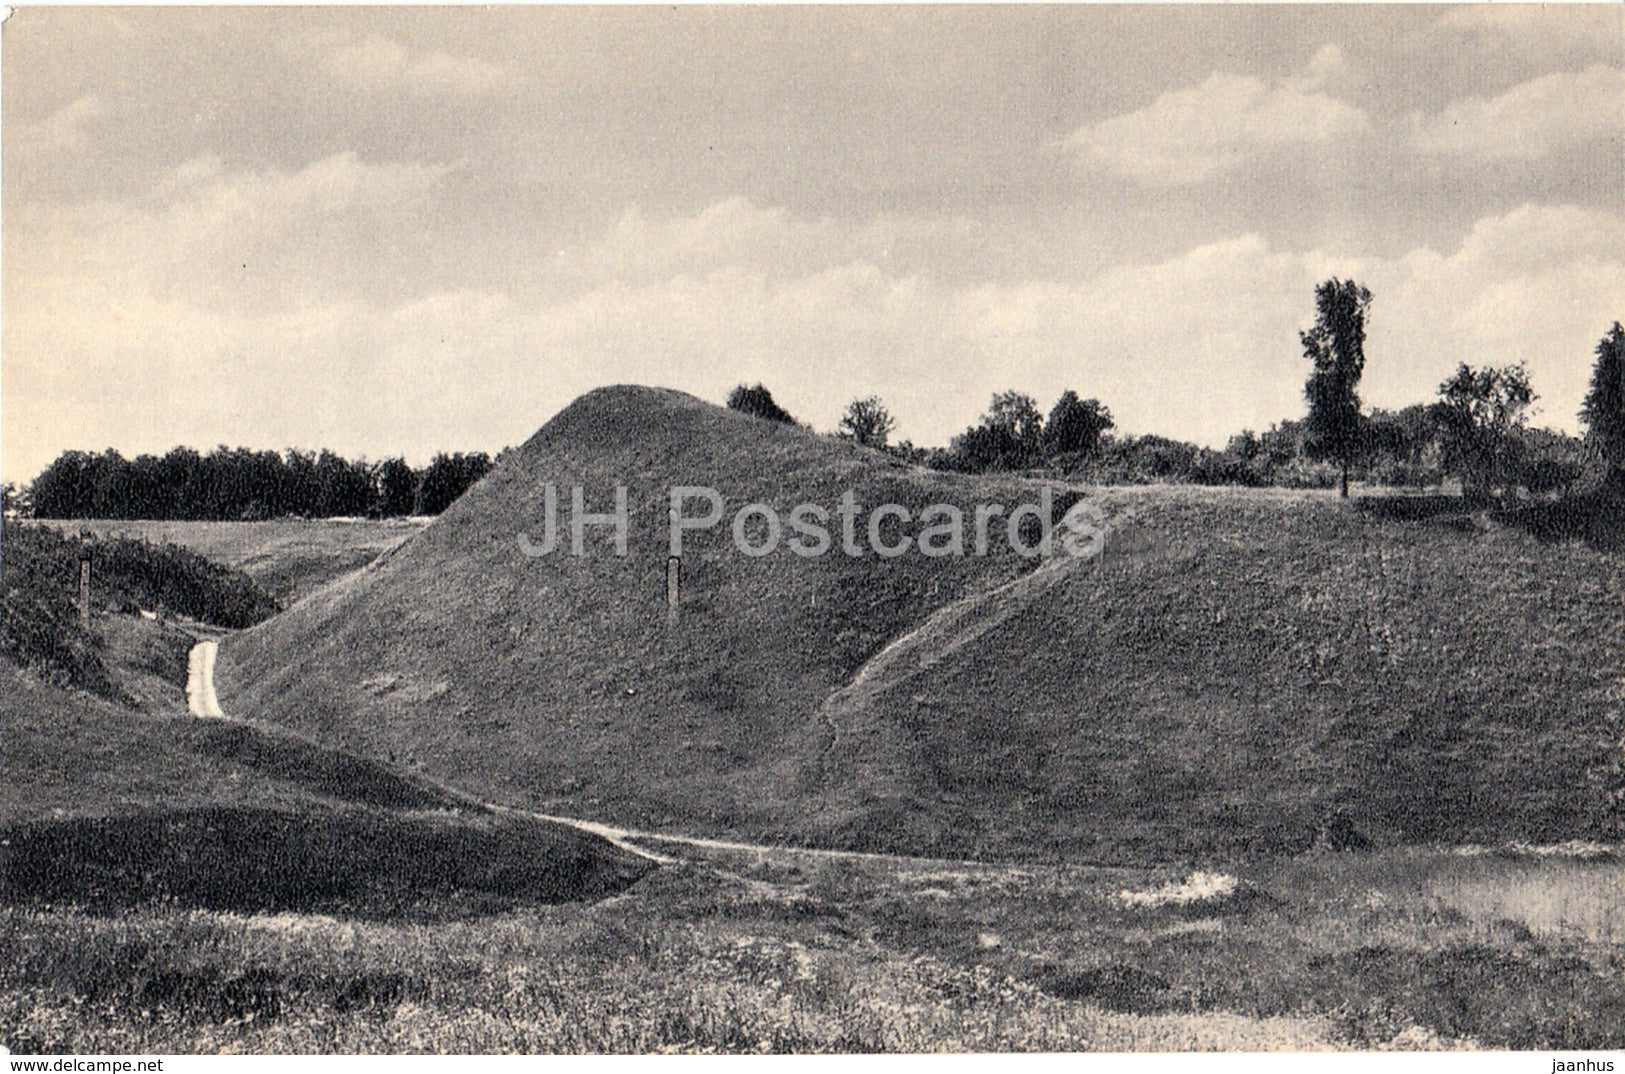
x=1115, y=986
x=39, y=613
x=317, y=769
x=138, y=976
x=354, y=862
x=1597, y=519
x=177, y=581
x=1523, y=996
x=39, y=577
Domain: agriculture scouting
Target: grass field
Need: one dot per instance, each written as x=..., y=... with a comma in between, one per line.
x=289, y=557
x=774, y=952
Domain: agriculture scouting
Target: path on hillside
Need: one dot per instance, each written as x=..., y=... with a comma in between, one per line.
x=942, y=633
x=201, y=699
x=200, y=695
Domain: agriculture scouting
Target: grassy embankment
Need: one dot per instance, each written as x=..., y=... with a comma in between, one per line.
x=287, y=557
x=1242, y=673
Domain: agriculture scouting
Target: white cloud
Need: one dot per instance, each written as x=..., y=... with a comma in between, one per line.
x=1540, y=284
x=1196, y=345
x=1326, y=65
x=1189, y=135
x=1532, y=120
x=381, y=64
x=735, y=231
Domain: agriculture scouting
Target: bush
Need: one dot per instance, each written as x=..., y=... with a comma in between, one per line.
x=179, y=581
x=758, y=403
x=39, y=614
x=1224, y=468
x=39, y=577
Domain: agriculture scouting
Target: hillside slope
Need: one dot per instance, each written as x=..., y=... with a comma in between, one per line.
x=1263, y=672
x=289, y=557
x=1239, y=672
x=458, y=650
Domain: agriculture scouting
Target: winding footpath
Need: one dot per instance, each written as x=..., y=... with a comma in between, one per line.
x=200, y=696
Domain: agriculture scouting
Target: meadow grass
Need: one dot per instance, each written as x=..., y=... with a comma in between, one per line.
x=779, y=952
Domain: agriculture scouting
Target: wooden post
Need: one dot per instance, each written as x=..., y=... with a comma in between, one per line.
x=84, y=587
x=674, y=595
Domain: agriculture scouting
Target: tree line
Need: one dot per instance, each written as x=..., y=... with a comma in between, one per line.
x=1476, y=430
x=233, y=484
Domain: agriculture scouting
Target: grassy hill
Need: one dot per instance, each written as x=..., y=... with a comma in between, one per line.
x=1240, y=672
x=289, y=557
x=106, y=807
x=114, y=796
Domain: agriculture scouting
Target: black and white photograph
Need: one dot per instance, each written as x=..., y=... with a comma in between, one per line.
x=783, y=530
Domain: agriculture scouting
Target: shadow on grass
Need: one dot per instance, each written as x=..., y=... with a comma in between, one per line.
x=1597, y=519
x=357, y=863
x=319, y=769
x=1447, y=511
x=1524, y=998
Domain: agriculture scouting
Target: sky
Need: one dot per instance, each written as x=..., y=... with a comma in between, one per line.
x=405, y=230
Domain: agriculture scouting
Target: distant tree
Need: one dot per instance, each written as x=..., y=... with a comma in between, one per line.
x=1016, y=413
x=1282, y=442
x=1336, y=346
x=59, y=490
x=447, y=478
x=867, y=422
x=397, y=488
x=343, y=488
x=180, y=474
x=1400, y=447
x=1009, y=437
x=1554, y=461
x=909, y=452
x=1245, y=445
x=1604, y=408
x=758, y=402
x=1480, y=414
x=1075, y=425
x=13, y=501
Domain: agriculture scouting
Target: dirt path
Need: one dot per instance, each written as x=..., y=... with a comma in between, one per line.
x=940, y=635
x=200, y=696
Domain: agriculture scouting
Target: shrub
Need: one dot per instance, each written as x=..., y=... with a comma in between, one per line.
x=39, y=577
x=39, y=615
x=758, y=402
x=180, y=581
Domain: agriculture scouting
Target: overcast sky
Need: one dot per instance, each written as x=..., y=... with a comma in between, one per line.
x=405, y=230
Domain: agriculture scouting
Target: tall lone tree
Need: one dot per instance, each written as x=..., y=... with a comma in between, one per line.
x=1336, y=346
x=1604, y=408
